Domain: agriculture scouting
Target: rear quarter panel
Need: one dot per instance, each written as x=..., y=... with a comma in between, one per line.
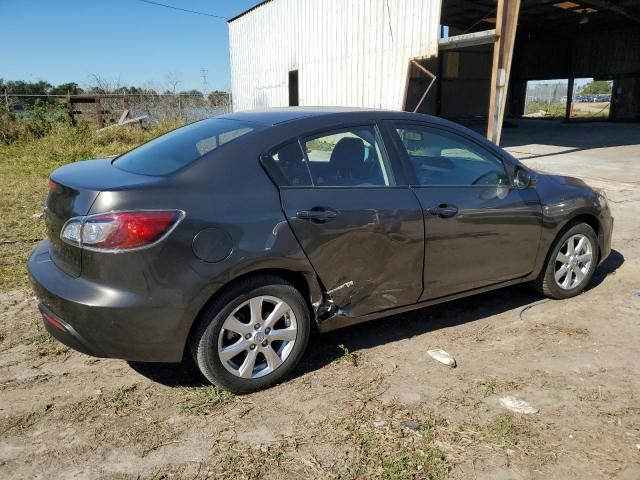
x=226, y=190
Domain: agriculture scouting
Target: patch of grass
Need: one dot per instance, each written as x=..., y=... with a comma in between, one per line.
x=84, y=408
x=350, y=357
x=37, y=339
x=17, y=424
x=119, y=401
x=494, y=385
x=460, y=399
x=594, y=395
x=392, y=452
x=571, y=331
x=237, y=460
x=25, y=165
x=45, y=345
x=505, y=431
x=204, y=400
x=125, y=397
x=433, y=426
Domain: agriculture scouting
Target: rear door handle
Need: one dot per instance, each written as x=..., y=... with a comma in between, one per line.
x=444, y=210
x=317, y=214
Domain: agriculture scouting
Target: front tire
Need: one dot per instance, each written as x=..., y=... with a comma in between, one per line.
x=571, y=262
x=252, y=335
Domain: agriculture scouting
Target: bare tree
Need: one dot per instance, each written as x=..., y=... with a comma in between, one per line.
x=173, y=79
x=99, y=84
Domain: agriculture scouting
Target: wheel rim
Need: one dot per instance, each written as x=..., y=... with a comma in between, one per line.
x=573, y=262
x=257, y=337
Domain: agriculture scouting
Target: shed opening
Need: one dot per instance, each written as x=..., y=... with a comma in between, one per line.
x=293, y=89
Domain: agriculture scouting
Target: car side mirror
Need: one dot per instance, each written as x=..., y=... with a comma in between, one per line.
x=521, y=179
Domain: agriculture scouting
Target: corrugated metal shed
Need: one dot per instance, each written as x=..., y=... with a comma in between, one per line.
x=347, y=52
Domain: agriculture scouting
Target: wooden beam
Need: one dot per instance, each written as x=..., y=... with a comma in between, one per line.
x=467, y=40
x=506, y=25
x=612, y=7
x=569, y=108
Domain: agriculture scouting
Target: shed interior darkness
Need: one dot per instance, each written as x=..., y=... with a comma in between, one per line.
x=555, y=39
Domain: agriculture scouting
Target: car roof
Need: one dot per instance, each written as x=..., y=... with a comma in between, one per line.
x=275, y=116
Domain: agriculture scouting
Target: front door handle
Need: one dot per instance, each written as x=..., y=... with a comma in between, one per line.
x=444, y=210
x=317, y=214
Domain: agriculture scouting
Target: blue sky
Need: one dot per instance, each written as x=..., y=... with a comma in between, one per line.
x=139, y=44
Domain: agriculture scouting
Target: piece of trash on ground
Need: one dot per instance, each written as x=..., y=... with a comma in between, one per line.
x=412, y=425
x=516, y=405
x=379, y=423
x=443, y=357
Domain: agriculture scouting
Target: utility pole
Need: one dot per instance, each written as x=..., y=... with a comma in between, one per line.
x=6, y=99
x=205, y=84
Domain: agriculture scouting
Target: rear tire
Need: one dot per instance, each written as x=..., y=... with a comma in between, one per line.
x=571, y=262
x=252, y=335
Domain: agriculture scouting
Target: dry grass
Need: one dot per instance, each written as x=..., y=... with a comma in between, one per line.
x=203, y=400
x=24, y=168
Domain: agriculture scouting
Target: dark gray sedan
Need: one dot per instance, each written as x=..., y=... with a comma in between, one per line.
x=235, y=236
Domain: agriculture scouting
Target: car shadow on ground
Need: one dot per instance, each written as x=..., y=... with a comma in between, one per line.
x=324, y=349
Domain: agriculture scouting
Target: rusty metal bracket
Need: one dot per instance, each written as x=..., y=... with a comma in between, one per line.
x=413, y=62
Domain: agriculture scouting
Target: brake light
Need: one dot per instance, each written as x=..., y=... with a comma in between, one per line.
x=121, y=230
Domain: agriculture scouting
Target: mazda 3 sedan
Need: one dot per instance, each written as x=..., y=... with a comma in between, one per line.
x=235, y=237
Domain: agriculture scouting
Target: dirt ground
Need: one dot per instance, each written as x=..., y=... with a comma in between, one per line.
x=368, y=402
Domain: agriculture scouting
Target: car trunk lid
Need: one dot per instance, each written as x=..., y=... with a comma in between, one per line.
x=72, y=191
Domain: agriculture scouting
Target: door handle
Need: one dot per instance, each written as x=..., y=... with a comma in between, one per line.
x=444, y=210
x=317, y=214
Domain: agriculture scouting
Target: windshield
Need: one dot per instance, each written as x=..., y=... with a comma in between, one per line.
x=176, y=149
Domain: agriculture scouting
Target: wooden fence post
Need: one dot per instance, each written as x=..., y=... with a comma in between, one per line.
x=99, y=113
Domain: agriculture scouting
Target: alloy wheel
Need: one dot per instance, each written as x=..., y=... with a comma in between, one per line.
x=573, y=261
x=257, y=337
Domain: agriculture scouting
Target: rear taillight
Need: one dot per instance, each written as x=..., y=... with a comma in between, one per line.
x=120, y=230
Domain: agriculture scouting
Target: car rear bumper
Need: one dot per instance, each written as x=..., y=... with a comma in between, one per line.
x=103, y=321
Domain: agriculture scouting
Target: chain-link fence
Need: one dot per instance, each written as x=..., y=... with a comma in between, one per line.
x=109, y=109
x=546, y=99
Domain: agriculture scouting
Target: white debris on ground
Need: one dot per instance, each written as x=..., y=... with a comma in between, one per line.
x=516, y=405
x=443, y=357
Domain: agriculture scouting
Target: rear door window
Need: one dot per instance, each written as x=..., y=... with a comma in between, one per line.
x=351, y=157
x=287, y=166
x=178, y=148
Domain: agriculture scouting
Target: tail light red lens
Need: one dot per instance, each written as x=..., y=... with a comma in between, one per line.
x=121, y=230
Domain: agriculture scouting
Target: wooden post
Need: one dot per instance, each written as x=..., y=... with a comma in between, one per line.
x=99, y=113
x=70, y=109
x=569, y=109
x=506, y=24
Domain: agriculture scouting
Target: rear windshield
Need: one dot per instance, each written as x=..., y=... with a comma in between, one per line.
x=176, y=149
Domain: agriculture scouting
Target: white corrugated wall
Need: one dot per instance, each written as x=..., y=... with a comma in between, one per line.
x=347, y=52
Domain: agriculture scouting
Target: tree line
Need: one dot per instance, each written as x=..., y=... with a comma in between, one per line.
x=41, y=87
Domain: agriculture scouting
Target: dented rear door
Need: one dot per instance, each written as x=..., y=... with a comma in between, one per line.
x=368, y=251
